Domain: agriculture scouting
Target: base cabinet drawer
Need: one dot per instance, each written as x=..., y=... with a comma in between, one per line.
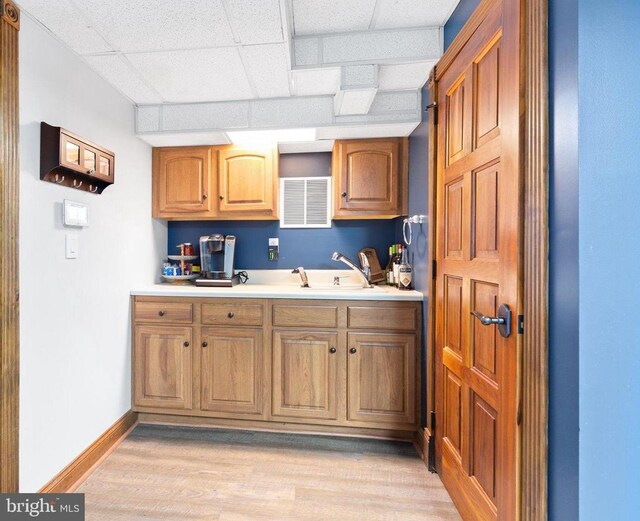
x=163, y=312
x=162, y=361
x=232, y=314
x=305, y=375
x=381, y=377
x=231, y=375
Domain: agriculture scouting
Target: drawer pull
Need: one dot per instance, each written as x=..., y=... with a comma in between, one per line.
x=332, y=350
x=186, y=344
x=161, y=313
x=353, y=350
x=230, y=314
x=205, y=344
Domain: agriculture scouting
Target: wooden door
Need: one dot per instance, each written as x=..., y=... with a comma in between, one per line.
x=305, y=375
x=381, y=377
x=367, y=177
x=231, y=370
x=162, y=367
x=247, y=181
x=182, y=181
x=478, y=226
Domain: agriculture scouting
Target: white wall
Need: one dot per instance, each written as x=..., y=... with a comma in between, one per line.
x=74, y=325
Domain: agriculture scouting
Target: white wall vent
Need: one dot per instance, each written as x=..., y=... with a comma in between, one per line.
x=305, y=202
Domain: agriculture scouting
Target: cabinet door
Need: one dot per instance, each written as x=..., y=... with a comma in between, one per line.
x=162, y=367
x=71, y=153
x=182, y=181
x=367, y=177
x=247, y=181
x=305, y=375
x=231, y=373
x=381, y=377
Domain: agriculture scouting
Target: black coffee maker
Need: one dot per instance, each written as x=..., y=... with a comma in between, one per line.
x=216, y=261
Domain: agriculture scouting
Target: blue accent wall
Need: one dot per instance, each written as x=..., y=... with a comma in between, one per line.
x=311, y=248
x=563, y=261
x=609, y=131
x=458, y=18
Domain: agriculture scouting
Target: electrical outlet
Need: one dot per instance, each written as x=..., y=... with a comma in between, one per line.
x=274, y=249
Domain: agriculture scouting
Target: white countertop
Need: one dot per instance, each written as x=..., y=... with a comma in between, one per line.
x=283, y=284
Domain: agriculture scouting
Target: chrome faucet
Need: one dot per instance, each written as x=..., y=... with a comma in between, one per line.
x=303, y=276
x=337, y=256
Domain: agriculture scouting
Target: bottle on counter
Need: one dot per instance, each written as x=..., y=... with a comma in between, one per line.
x=389, y=269
x=397, y=259
x=405, y=272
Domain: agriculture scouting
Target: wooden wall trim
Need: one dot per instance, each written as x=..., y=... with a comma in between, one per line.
x=69, y=477
x=9, y=306
x=535, y=367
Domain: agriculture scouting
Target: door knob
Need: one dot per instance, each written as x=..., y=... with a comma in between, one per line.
x=503, y=320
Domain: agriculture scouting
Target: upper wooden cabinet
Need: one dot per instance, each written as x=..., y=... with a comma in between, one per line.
x=247, y=182
x=370, y=178
x=205, y=182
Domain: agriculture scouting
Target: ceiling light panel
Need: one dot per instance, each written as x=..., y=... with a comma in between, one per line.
x=194, y=75
x=255, y=21
x=313, y=17
x=268, y=69
x=68, y=23
x=404, y=75
x=316, y=82
x=151, y=25
x=412, y=13
x=116, y=71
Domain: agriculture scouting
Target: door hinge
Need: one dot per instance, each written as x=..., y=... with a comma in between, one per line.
x=434, y=269
x=520, y=324
x=434, y=107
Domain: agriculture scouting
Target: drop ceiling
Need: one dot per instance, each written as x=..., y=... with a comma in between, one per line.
x=241, y=61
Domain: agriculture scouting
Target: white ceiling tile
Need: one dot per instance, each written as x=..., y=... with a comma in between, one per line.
x=186, y=139
x=148, y=118
x=205, y=116
x=149, y=25
x=292, y=112
x=366, y=131
x=115, y=70
x=316, y=82
x=268, y=69
x=194, y=75
x=69, y=25
x=412, y=13
x=353, y=101
x=256, y=21
x=404, y=75
x=331, y=16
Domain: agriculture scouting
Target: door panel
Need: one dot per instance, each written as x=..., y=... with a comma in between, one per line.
x=231, y=370
x=477, y=236
x=183, y=179
x=305, y=375
x=381, y=376
x=162, y=367
x=246, y=181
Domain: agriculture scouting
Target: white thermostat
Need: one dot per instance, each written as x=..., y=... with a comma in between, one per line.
x=75, y=214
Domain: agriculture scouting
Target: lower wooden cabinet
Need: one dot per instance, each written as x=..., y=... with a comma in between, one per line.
x=162, y=362
x=381, y=377
x=305, y=375
x=325, y=364
x=231, y=375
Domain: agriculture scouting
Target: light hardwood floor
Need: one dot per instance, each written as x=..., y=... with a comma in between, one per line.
x=185, y=474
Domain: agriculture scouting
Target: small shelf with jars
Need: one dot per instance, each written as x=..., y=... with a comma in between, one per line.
x=72, y=161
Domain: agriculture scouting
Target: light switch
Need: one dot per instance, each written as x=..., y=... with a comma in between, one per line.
x=71, y=246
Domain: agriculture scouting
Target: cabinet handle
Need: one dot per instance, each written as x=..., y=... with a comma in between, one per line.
x=332, y=350
x=230, y=314
x=221, y=197
x=161, y=313
x=186, y=344
x=352, y=350
x=344, y=194
x=205, y=344
x=91, y=171
x=204, y=196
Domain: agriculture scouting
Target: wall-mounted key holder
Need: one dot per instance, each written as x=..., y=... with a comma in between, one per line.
x=69, y=160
